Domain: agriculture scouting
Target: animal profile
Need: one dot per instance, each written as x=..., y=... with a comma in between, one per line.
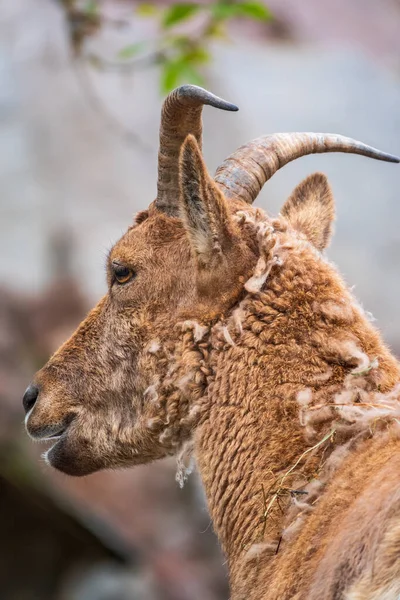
x=225, y=333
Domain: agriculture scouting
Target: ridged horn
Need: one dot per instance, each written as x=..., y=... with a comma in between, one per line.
x=180, y=116
x=243, y=173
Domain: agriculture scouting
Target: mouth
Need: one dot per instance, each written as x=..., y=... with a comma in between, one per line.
x=55, y=436
x=67, y=450
x=71, y=455
x=54, y=442
x=49, y=433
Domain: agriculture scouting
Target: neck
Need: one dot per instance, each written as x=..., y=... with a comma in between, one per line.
x=301, y=342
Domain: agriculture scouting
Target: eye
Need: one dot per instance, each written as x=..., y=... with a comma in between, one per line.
x=122, y=274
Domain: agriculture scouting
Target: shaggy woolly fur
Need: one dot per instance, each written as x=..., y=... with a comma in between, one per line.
x=312, y=409
x=238, y=341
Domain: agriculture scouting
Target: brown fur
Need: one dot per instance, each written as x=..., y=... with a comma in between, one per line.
x=237, y=335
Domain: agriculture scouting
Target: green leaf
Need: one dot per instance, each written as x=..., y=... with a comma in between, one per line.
x=179, y=71
x=221, y=11
x=169, y=76
x=178, y=13
x=146, y=10
x=131, y=50
x=254, y=10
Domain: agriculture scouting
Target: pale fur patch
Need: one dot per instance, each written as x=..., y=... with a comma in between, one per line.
x=303, y=506
x=373, y=406
x=153, y=422
x=199, y=331
x=348, y=351
x=166, y=435
x=304, y=398
x=194, y=411
x=153, y=347
x=292, y=530
x=322, y=377
x=373, y=364
x=351, y=350
x=362, y=591
x=338, y=309
x=238, y=316
x=256, y=550
x=336, y=459
x=183, y=381
x=243, y=216
x=184, y=463
x=308, y=418
x=227, y=336
x=262, y=270
x=300, y=509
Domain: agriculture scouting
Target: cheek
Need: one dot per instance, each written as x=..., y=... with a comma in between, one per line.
x=106, y=432
x=122, y=380
x=123, y=438
x=165, y=286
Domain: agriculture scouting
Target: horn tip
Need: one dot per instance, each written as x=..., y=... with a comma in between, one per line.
x=195, y=92
x=392, y=158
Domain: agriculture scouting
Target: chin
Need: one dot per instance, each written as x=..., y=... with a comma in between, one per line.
x=69, y=458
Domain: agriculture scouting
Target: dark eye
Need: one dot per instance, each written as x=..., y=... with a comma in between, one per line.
x=122, y=274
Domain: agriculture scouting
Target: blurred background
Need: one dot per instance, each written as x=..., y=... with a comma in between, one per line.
x=81, y=87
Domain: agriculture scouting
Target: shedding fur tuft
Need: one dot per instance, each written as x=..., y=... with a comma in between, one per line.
x=199, y=331
x=257, y=550
x=227, y=336
x=184, y=463
x=238, y=316
x=153, y=347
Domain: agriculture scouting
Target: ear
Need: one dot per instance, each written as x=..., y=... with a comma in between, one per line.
x=311, y=210
x=204, y=210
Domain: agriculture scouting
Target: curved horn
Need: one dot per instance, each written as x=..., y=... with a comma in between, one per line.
x=180, y=116
x=244, y=172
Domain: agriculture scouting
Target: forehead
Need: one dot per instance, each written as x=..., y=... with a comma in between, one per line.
x=144, y=240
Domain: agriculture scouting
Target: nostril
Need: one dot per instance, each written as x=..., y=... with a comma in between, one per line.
x=30, y=397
